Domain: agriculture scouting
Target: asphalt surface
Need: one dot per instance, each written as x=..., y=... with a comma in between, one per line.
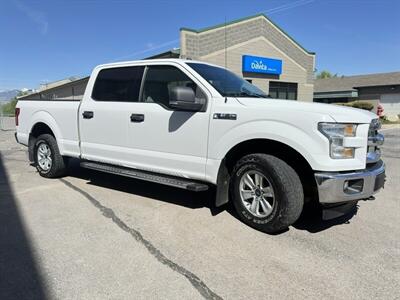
x=96, y=236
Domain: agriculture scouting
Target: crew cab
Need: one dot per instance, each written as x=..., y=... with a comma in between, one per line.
x=192, y=125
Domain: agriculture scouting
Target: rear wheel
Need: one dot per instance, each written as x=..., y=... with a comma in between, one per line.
x=267, y=193
x=48, y=160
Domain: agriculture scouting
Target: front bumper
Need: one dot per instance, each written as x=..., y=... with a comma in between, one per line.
x=338, y=187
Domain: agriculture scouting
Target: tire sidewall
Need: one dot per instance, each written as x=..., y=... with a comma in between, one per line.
x=43, y=140
x=240, y=208
x=288, y=192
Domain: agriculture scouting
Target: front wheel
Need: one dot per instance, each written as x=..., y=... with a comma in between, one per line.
x=48, y=160
x=267, y=193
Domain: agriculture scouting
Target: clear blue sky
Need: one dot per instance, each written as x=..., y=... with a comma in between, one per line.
x=53, y=39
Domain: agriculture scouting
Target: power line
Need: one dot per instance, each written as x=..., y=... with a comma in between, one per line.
x=134, y=54
x=288, y=6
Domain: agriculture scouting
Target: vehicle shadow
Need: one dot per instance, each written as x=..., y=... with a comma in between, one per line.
x=19, y=273
x=310, y=220
x=151, y=190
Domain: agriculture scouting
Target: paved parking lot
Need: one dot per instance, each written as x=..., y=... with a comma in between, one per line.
x=94, y=236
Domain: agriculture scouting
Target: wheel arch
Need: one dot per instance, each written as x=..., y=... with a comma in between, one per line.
x=267, y=146
x=38, y=129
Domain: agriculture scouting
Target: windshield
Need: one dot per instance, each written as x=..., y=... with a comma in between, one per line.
x=227, y=83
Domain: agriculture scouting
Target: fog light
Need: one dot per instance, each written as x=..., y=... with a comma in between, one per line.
x=353, y=186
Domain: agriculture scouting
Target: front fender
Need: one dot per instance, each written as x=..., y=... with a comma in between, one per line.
x=308, y=144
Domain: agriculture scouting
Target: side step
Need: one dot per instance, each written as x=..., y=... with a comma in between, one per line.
x=182, y=183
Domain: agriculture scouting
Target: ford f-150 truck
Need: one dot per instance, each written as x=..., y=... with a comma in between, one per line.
x=192, y=125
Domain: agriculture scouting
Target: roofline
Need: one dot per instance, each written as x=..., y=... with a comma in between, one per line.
x=141, y=61
x=244, y=19
x=360, y=75
x=172, y=51
x=376, y=85
x=55, y=87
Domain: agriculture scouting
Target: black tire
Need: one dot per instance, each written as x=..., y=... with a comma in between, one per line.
x=287, y=190
x=58, y=165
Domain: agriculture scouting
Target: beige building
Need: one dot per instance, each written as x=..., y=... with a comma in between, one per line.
x=259, y=37
x=253, y=47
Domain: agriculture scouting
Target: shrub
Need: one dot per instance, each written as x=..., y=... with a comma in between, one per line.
x=358, y=104
x=9, y=108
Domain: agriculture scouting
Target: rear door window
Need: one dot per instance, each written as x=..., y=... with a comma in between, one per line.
x=118, y=84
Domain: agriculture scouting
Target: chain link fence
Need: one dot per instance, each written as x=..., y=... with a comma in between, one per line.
x=7, y=122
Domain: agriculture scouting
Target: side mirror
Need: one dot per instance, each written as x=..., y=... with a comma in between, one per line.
x=183, y=98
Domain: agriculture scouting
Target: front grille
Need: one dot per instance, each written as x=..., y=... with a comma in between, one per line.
x=375, y=139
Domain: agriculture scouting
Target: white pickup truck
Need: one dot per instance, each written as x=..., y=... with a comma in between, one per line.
x=192, y=125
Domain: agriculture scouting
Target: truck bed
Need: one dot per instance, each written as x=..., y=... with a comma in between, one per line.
x=61, y=115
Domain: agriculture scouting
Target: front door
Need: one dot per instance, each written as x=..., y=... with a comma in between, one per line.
x=165, y=140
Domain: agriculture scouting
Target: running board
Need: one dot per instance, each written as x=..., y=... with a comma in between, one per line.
x=181, y=183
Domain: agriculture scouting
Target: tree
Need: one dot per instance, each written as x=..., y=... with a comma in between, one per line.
x=325, y=74
x=9, y=108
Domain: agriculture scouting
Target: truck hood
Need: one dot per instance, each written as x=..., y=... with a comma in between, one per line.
x=340, y=114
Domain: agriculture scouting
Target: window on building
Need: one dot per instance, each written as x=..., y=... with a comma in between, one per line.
x=161, y=79
x=283, y=90
x=118, y=84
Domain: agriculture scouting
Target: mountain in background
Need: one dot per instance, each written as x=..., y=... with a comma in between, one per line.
x=7, y=95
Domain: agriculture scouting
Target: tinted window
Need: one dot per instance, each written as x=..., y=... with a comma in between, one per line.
x=161, y=79
x=283, y=90
x=118, y=84
x=227, y=83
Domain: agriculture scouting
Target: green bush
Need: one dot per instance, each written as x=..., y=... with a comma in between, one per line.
x=358, y=104
x=9, y=108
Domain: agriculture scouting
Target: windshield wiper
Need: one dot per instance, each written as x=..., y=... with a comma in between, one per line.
x=245, y=94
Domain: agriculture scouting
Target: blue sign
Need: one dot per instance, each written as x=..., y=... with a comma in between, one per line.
x=265, y=65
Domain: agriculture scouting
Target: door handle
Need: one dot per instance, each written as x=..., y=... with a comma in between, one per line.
x=87, y=114
x=137, y=118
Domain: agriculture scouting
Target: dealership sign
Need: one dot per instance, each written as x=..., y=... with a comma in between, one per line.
x=265, y=65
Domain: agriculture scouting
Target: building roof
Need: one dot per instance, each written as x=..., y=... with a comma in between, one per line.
x=53, y=84
x=245, y=19
x=37, y=93
x=350, y=83
x=173, y=53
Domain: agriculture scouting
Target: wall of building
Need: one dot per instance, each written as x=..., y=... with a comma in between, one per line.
x=291, y=71
x=259, y=37
x=388, y=96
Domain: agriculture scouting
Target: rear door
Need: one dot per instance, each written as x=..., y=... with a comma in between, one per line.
x=104, y=116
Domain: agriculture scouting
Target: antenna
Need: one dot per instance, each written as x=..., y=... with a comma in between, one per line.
x=226, y=59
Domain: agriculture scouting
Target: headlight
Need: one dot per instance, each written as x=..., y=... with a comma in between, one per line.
x=336, y=133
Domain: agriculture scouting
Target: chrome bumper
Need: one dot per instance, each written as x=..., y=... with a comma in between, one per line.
x=335, y=187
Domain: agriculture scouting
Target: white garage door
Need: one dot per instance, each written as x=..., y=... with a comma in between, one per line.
x=391, y=104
